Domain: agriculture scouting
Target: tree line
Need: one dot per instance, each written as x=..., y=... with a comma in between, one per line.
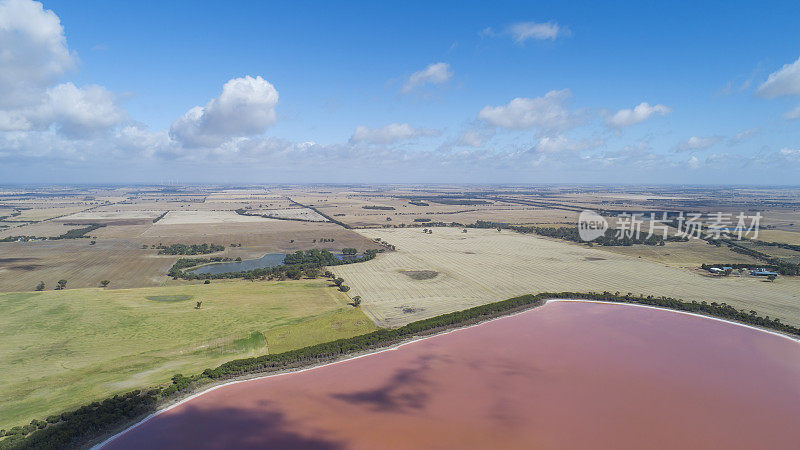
x=193, y=249
x=776, y=264
x=609, y=238
x=75, y=233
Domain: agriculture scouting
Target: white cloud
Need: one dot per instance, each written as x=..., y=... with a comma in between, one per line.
x=436, y=73
x=694, y=162
x=790, y=153
x=549, y=112
x=698, y=143
x=793, y=114
x=642, y=112
x=473, y=138
x=560, y=143
x=389, y=134
x=524, y=31
x=33, y=52
x=785, y=81
x=82, y=111
x=743, y=136
x=74, y=111
x=33, y=56
x=246, y=107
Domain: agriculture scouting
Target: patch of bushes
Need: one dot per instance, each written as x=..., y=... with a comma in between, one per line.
x=78, y=232
x=193, y=249
x=65, y=430
x=380, y=208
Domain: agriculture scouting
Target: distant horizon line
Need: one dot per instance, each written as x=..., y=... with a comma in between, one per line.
x=322, y=183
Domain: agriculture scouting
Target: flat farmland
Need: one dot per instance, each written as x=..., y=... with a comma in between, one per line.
x=207, y=217
x=291, y=213
x=41, y=229
x=787, y=237
x=62, y=349
x=483, y=266
x=273, y=233
x=684, y=254
x=24, y=264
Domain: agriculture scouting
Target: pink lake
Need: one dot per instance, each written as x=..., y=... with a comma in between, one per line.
x=566, y=375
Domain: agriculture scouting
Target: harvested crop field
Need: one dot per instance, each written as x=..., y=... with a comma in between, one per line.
x=483, y=266
x=203, y=217
x=117, y=215
x=291, y=213
x=62, y=349
x=123, y=263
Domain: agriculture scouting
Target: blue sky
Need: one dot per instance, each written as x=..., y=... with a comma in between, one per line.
x=509, y=92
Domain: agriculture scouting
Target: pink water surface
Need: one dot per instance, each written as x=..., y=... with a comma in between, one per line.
x=566, y=375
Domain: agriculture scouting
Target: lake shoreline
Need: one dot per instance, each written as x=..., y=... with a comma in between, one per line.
x=423, y=336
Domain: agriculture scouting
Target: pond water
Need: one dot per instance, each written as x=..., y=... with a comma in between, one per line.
x=268, y=260
x=565, y=375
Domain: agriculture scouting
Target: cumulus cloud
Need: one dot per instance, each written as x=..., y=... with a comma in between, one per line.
x=33, y=52
x=473, y=138
x=436, y=73
x=642, y=112
x=246, y=107
x=74, y=111
x=560, y=144
x=549, y=112
x=784, y=82
x=82, y=111
x=698, y=143
x=33, y=56
x=389, y=134
x=524, y=31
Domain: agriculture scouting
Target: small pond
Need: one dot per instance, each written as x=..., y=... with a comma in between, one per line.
x=268, y=260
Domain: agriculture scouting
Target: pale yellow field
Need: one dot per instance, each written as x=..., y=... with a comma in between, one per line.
x=291, y=213
x=789, y=237
x=44, y=213
x=482, y=266
x=113, y=215
x=201, y=217
x=685, y=254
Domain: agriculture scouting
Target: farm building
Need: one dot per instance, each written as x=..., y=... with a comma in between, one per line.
x=762, y=273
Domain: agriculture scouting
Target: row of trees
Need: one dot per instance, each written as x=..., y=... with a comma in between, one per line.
x=610, y=238
x=75, y=233
x=776, y=264
x=79, y=232
x=189, y=249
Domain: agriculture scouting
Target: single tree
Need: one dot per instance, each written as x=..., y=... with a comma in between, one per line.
x=62, y=284
x=772, y=277
x=207, y=282
x=338, y=281
x=104, y=283
x=40, y=286
x=344, y=288
x=199, y=304
x=356, y=301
